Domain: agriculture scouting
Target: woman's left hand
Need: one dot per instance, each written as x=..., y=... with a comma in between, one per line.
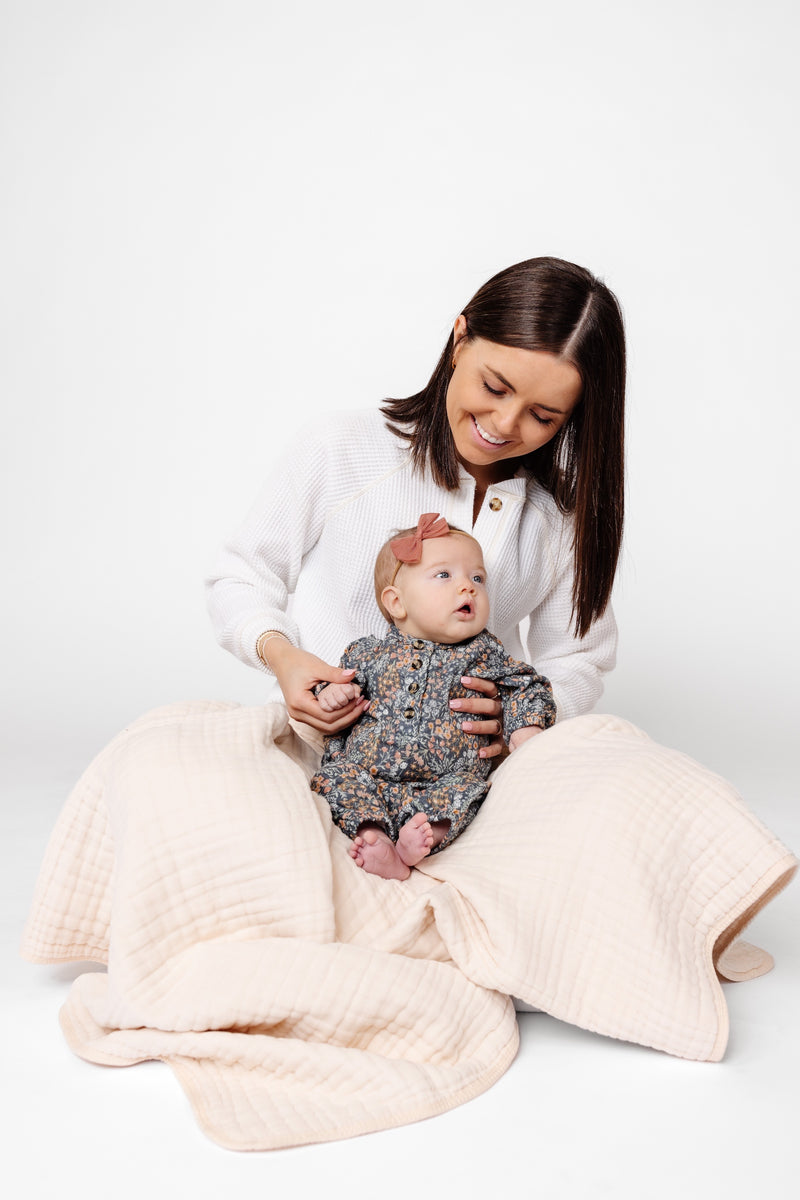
x=487, y=707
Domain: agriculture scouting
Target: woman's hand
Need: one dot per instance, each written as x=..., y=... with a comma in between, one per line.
x=298, y=673
x=488, y=707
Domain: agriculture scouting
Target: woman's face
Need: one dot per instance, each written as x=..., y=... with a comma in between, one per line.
x=503, y=403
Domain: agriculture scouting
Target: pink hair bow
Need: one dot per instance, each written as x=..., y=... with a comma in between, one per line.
x=409, y=549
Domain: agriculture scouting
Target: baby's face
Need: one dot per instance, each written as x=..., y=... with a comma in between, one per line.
x=442, y=598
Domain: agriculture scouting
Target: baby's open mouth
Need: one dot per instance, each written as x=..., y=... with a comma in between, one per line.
x=466, y=609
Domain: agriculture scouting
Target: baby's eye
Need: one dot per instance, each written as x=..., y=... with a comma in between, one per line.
x=478, y=578
x=442, y=575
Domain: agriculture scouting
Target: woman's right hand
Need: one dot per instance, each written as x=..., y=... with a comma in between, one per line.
x=298, y=673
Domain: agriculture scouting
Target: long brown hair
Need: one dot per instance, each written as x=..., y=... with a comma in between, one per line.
x=552, y=305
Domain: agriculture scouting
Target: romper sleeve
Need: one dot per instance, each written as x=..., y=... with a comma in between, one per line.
x=257, y=570
x=575, y=666
x=357, y=656
x=526, y=696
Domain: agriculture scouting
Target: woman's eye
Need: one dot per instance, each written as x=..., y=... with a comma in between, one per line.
x=541, y=420
x=491, y=390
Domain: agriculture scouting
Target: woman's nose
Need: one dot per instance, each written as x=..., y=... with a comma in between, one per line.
x=506, y=418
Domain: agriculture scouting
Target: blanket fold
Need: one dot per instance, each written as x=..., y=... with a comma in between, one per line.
x=298, y=999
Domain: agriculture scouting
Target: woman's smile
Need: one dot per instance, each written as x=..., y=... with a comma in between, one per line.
x=487, y=437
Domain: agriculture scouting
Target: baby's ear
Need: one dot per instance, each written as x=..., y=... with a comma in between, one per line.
x=390, y=598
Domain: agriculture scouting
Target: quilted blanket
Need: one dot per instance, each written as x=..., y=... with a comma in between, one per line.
x=298, y=999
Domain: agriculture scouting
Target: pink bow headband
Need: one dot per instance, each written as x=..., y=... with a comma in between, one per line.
x=409, y=549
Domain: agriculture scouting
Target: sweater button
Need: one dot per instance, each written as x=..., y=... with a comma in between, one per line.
x=416, y=663
x=413, y=687
x=408, y=714
x=417, y=644
x=495, y=504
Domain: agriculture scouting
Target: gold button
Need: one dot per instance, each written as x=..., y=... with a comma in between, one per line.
x=416, y=664
x=495, y=504
x=413, y=687
x=408, y=714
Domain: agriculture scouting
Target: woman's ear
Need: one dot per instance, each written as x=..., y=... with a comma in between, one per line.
x=459, y=336
x=392, y=602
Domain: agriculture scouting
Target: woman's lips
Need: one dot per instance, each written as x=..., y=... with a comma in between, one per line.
x=484, y=437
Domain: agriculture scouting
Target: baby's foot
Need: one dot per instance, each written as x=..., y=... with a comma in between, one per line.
x=415, y=840
x=375, y=851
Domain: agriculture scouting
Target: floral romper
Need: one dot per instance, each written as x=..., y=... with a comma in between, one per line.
x=408, y=752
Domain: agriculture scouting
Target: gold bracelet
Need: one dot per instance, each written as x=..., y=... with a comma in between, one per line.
x=264, y=637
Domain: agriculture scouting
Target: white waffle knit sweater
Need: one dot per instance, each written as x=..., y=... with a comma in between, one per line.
x=303, y=560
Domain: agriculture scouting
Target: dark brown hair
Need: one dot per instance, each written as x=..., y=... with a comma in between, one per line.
x=552, y=305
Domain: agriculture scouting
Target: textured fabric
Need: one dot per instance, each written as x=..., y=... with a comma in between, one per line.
x=408, y=752
x=302, y=561
x=299, y=999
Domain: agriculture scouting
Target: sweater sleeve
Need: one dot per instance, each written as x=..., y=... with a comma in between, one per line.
x=575, y=666
x=257, y=570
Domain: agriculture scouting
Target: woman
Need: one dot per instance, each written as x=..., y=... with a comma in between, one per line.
x=517, y=437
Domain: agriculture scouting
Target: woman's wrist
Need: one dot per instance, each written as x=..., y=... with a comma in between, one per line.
x=268, y=647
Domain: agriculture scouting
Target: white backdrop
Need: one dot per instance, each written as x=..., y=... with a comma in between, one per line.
x=218, y=218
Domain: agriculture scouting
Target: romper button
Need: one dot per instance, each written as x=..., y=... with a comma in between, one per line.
x=417, y=644
x=416, y=664
x=413, y=687
x=408, y=714
x=495, y=504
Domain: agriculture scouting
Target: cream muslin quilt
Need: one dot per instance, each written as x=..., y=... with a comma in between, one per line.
x=298, y=999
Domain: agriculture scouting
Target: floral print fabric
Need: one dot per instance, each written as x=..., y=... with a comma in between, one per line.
x=408, y=753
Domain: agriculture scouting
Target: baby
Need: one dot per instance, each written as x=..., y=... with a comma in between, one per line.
x=405, y=780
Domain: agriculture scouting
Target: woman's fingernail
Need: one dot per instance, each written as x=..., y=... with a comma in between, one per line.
x=455, y=704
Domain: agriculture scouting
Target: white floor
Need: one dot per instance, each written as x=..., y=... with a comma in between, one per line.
x=576, y=1115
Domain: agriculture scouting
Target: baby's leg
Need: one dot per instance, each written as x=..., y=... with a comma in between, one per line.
x=375, y=851
x=418, y=837
x=448, y=806
x=359, y=808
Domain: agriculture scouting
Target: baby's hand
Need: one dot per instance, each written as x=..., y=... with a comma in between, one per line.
x=522, y=735
x=337, y=695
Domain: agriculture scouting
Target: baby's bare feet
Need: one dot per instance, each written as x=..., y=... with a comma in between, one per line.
x=375, y=851
x=415, y=840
